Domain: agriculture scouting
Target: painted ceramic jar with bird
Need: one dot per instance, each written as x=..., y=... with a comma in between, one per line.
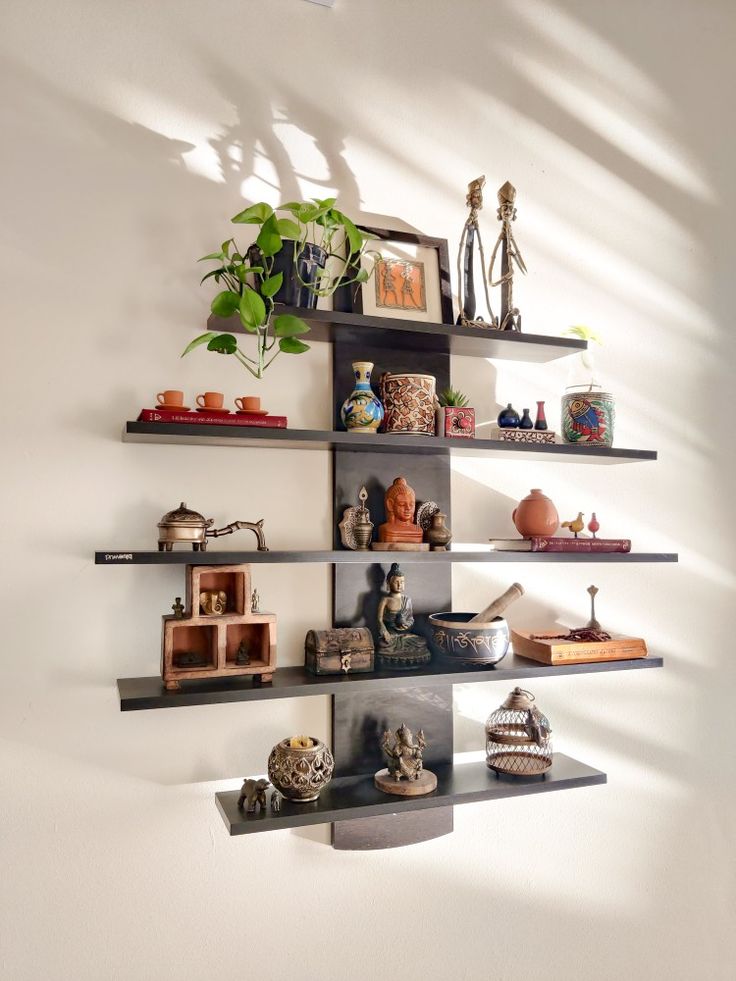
x=588, y=416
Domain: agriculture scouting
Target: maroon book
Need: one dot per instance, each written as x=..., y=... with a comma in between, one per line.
x=539, y=543
x=212, y=418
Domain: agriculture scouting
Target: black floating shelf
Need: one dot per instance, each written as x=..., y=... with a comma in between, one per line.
x=317, y=439
x=326, y=325
x=293, y=682
x=188, y=557
x=346, y=798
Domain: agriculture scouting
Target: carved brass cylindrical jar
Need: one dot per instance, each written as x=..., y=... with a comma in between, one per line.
x=300, y=773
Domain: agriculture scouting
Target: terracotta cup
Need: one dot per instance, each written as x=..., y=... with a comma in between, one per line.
x=248, y=403
x=536, y=515
x=210, y=400
x=170, y=397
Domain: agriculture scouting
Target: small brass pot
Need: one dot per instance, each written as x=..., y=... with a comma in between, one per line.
x=300, y=773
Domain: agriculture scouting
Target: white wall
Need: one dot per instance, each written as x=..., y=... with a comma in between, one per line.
x=122, y=128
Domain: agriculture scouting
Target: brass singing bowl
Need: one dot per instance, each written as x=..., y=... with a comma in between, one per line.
x=470, y=644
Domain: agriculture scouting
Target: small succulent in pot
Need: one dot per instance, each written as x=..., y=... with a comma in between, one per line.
x=452, y=398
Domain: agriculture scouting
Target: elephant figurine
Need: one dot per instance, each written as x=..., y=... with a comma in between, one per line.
x=254, y=792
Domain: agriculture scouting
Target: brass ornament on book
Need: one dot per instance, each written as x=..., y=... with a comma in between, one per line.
x=518, y=737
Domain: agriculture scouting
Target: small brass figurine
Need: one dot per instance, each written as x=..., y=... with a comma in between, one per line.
x=398, y=648
x=404, y=756
x=178, y=608
x=213, y=602
x=465, y=261
x=242, y=655
x=356, y=527
x=254, y=792
x=255, y=601
x=510, y=318
x=276, y=799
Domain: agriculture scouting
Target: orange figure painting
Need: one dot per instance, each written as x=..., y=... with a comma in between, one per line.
x=400, y=284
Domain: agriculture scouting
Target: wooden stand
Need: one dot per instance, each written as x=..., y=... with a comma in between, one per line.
x=426, y=783
x=215, y=639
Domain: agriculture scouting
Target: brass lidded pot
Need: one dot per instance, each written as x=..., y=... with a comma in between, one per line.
x=184, y=526
x=518, y=737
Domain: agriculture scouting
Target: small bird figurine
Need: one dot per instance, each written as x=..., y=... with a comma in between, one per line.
x=576, y=525
x=593, y=524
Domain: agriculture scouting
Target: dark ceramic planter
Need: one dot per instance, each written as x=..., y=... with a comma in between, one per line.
x=311, y=261
x=479, y=644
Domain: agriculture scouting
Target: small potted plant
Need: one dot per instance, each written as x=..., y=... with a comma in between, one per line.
x=319, y=248
x=454, y=418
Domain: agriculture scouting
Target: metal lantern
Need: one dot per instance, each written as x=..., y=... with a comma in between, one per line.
x=518, y=737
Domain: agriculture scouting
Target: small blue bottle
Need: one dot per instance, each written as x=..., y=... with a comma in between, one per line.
x=508, y=418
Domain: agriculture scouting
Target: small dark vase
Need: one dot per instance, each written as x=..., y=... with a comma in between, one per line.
x=311, y=261
x=438, y=534
x=541, y=421
x=508, y=418
x=526, y=420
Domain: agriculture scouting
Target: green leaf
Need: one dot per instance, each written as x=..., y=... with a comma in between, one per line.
x=252, y=310
x=257, y=214
x=269, y=240
x=215, y=272
x=202, y=339
x=288, y=229
x=271, y=286
x=223, y=344
x=292, y=206
x=583, y=332
x=308, y=212
x=290, y=345
x=287, y=325
x=325, y=203
x=212, y=255
x=242, y=271
x=225, y=304
x=226, y=247
x=362, y=276
x=354, y=237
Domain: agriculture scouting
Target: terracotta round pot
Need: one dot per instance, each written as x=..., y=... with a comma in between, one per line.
x=536, y=515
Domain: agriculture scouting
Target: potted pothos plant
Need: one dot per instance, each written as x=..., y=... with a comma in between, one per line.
x=319, y=248
x=287, y=263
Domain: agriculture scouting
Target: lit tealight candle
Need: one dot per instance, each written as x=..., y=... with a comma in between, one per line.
x=300, y=742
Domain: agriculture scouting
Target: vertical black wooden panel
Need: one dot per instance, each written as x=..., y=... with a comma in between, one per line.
x=359, y=719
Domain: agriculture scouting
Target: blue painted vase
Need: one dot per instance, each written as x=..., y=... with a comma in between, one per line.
x=362, y=412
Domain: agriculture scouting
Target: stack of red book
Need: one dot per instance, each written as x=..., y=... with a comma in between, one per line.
x=213, y=418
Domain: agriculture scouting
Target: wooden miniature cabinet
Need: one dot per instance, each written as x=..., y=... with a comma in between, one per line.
x=206, y=645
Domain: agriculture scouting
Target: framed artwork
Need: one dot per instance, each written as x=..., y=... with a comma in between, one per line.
x=411, y=280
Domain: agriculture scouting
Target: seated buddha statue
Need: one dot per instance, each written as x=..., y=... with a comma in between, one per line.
x=398, y=647
x=400, y=502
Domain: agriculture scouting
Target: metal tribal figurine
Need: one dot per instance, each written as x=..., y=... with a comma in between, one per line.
x=510, y=254
x=465, y=260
